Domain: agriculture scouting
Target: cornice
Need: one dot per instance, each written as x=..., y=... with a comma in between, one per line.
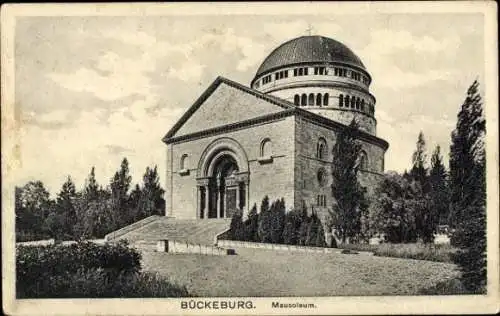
x=312, y=63
x=313, y=84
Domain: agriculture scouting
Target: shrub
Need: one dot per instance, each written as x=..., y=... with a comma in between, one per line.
x=448, y=287
x=36, y=265
x=145, y=284
x=430, y=252
x=95, y=283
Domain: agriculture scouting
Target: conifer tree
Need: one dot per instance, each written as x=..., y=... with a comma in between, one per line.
x=237, y=228
x=91, y=189
x=425, y=219
x=439, y=194
x=313, y=230
x=278, y=221
x=303, y=227
x=252, y=224
x=151, y=202
x=468, y=191
x=265, y=220
x=320, y=235
x=65, y=207
x=418, y=170
x=120, y=184
x=291, y=228
x=347, y=192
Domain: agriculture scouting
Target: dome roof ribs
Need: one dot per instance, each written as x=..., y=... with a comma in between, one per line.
x=310, y=49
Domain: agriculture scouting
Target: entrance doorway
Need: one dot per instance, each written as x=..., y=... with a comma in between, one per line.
x=224, y=191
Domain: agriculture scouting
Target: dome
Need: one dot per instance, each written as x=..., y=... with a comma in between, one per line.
x=309, y=49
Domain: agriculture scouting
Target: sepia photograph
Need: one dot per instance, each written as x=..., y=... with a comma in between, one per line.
x=259, y=158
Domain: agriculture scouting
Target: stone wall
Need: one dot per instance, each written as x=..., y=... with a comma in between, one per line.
x=279, y=247
x=172, y=246
x=307, y=165
x=274, y=178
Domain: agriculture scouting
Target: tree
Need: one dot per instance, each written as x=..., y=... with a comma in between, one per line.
x=439, y=195
x=252, y=225
x=320, y=235
x=315, y=232
x=97, y=219
x=133, y=204
x=264, y=228
x=237, y=228
x=120, y=184
x=468, y=191
x=277, y=221
x=303, y=227
x=151, y=201
x=291, y=228
x=66, y=216
x=32, y=206
x=91, y=190
x=418, y=170
x=425, y=214
x=393, y=211
x=346, y=190
x=34, y=197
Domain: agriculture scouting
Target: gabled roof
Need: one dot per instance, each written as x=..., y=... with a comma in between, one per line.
x=288, y=110
x=213, y=86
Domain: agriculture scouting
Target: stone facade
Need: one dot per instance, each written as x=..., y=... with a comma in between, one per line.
x=274, y=154
x=307, y=165
x=237, y=144
x=270, y=175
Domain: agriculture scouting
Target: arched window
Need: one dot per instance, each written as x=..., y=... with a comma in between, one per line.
x=265, y=147
x=296, y=99
x=311, y=99
x=362, y=105
x=183, y=162
x=357, y=103
x=325, y=99
x=303, y=100
x=341, y=100
x=353, y=102
x=321, y=175
x=318, y=99
x=347, y=101
x=321, y=149
x=363, y=160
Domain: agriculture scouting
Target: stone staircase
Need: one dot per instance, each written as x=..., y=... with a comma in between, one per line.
x=197, y=231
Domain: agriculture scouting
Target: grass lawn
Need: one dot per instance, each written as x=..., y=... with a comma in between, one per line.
x=259, y=272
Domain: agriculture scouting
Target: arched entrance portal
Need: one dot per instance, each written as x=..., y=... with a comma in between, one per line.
x=222, y=180
x=224, y=188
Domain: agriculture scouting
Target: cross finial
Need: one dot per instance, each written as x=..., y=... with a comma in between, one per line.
x=309, y=29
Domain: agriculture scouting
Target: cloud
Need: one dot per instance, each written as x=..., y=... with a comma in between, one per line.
x=74, y=149
x=395, y=78
x=118, y=84
x=385, y=41
x=284, y=31
x=188, y=71
x=115, y=150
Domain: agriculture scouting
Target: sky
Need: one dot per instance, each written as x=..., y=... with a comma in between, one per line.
x=90, y=91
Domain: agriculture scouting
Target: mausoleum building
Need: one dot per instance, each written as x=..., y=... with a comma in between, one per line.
x=236, y=143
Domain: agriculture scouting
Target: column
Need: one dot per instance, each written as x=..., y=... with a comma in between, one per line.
x=238, y=196
x=247, y=193
x=219, y=201
x=200, y=205
x=207, y=201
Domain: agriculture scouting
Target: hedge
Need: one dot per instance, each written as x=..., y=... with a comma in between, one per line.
x=36, y=265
